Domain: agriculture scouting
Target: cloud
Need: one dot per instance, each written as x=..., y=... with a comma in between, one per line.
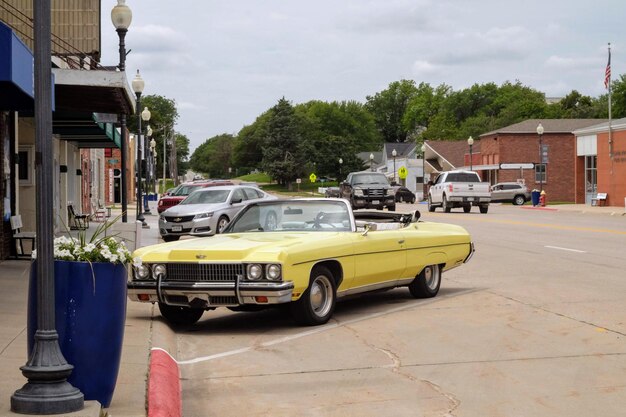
x=388, y=17
x=421, y=67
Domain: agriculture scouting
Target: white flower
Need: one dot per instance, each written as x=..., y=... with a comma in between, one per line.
x=137, y=262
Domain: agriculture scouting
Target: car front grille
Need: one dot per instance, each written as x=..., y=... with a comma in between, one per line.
x=179, y=219
x=204, y=272
x=376, y=192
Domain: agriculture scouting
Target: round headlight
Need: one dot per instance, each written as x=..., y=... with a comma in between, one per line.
x=142, y=271
x=358, y=192
x=159, y=269
x=273, y=272
x=255, y=272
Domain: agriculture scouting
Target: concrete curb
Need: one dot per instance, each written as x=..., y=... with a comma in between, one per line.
x=164, y=396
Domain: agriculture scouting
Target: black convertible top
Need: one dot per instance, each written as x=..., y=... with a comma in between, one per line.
x=387, y=216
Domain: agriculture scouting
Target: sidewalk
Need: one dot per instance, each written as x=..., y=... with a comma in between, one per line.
x=129, y=398
x=581, y=208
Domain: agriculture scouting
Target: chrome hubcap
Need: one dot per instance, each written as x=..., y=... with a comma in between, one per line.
x=320, y=295
x=431, y=276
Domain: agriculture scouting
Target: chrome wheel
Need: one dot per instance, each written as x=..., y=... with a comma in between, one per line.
x=427, y=283
x=221, y=224
x=320, y=296
x=317, y=304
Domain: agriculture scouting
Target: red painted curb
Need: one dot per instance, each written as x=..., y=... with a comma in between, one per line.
x=164, y=399
x=539, y=208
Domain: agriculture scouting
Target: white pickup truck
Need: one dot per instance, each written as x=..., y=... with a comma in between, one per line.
x=458, y=189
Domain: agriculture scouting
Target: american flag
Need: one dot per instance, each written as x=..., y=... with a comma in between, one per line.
x=607, y=72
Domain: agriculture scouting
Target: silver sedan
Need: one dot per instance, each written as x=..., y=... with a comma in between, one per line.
x=207, y=211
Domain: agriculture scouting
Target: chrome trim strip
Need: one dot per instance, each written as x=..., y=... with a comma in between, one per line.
x=378, y=286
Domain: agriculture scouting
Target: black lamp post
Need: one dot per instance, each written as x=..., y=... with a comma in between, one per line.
x=153, y=154
x=371, y=162
x=394, y=154
x=423, y=148
x=47, y=390
x=541, y=166
x=138, y=85
x=121, y=16
x=340, y=165
x=145, y=115
x=470, y=142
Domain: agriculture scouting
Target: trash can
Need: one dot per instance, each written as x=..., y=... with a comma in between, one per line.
x=534, y=197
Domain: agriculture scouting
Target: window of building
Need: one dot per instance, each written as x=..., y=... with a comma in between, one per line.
x=540, y=173
x=108, y=152
x=25, y=168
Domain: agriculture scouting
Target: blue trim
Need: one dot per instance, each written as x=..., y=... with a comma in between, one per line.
x=16, y=62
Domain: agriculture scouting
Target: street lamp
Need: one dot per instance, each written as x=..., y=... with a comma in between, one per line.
x=423, y=148
x=340, y=165
x=152, y=161
x=138, y=85
x=47, y=390
x=541, y=166
x=470, y=142
x=371, y=162
x=394, y=154
x=145, y=116
x=121, y=16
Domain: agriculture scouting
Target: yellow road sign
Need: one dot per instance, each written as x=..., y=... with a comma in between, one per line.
x=403, y=172
x=313, y=177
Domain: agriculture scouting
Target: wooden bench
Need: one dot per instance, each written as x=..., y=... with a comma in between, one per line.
x=599, y=200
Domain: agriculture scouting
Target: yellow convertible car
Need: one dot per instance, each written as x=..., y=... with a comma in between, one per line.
x=305, y=252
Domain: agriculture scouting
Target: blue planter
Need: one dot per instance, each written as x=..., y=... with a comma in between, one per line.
x=89, y=320
x=534, y=197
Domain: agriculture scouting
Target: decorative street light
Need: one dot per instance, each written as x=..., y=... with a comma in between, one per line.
x=47, y=390
x=145, y=115
x=423, y=149
x=138, y=85
x=340, y=165
x=394, y=154
x=371, y=162
x=152, y=161
x=121, y=16
x=541, y=166
x=470, y=142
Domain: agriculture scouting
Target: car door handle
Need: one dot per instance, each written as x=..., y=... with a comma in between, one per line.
x=401, y=241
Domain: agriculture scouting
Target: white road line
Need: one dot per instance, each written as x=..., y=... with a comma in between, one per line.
x=567, y=249
x=320, y=329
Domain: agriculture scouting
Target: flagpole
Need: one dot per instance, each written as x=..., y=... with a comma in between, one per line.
x=608, y=76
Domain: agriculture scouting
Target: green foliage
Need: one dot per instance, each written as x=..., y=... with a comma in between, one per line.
x=284, y=151
x=389, y=107
x=259, y=178
x=213, y=156
x=618, y=99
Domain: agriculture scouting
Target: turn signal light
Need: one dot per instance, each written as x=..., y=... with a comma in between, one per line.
x=261, y=299
x=144, y=297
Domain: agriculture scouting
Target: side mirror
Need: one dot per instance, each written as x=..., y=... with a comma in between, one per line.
x=236, y=200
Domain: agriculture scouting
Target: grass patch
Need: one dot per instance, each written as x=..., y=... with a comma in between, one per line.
x=260, y=178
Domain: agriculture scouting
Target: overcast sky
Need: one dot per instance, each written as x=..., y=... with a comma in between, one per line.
x=225, y=62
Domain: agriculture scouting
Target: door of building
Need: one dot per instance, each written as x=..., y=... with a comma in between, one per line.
x=591, y=178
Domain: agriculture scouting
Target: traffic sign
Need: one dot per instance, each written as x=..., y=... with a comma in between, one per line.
x=313, y=177
x=298, y=180
x=403, y=172
x=517, y=166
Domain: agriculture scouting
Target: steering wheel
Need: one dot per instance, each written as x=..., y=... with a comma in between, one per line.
x=321, y=218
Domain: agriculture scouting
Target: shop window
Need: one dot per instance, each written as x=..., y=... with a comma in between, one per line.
x=25, y=168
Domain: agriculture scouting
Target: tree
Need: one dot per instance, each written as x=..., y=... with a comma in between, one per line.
x=618, y=98
x=283, y=148
x=163, y=117
x=389, y=107
x=213, y=157
x=247, y=151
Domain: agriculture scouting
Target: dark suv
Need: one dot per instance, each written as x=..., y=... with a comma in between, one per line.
x=368, y=190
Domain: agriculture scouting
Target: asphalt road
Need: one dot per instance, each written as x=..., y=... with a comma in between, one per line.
x=534, y=325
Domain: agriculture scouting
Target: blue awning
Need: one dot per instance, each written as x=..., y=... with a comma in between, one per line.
x=16, y=72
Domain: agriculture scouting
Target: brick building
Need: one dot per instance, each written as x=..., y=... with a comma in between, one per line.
x=519, y=144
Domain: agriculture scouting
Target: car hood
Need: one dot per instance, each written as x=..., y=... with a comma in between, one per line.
x=189, y=209
x=268, y=246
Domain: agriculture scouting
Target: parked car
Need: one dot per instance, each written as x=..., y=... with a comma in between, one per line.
x=207, y=211
x=182, y=191
x=316, y=251
x=510, y=192
x=405, y=195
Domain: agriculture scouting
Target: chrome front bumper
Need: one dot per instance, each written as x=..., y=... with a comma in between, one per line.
x=210, y=294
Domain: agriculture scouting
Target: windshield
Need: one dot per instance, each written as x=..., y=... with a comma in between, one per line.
x=207, y=197
x=293, y=216
x=369, y=179
x=185, y=190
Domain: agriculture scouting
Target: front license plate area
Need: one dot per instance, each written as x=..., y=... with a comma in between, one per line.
x=177, y=228
x=375, y=202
